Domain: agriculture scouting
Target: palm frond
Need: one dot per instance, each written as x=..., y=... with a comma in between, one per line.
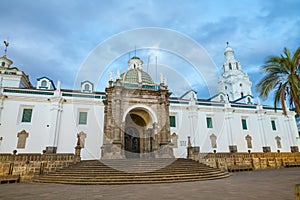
x=282, y=77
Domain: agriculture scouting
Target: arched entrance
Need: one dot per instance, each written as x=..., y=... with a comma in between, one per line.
x=132, y=143
x=138, y=137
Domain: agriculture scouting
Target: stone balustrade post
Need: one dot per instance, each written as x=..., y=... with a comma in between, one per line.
x=77, y=150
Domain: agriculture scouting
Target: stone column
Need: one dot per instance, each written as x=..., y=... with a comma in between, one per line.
x=55, y=126
x=291, y=133
x=261, y=120
x=228, y=117
x=2, y=97
x=155, y=133
x=117, y=121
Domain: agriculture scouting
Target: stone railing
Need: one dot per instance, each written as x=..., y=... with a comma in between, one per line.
x=27, y=166
x=247, y=161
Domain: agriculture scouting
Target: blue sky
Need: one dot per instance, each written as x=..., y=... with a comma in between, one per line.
x=54, y=38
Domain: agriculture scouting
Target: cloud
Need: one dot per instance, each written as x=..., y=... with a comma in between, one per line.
x=53, y=38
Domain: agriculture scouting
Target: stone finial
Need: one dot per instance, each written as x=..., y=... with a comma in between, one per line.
x=6, y=43
x=111, y=76
x=161, y=78
x=258, y=101
x=78, y=140
x=58, y=85
x=118, y=74
x=189, y=141
x=165, y=81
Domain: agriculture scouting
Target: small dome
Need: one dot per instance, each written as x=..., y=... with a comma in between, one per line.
x=228, y=48
x=135, y=57
x=135, y=62
x=132, y=76
x=229, y=54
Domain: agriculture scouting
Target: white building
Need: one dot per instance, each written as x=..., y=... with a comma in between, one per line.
x=48, y=118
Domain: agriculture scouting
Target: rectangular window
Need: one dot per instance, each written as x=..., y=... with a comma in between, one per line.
x=27, y=114
x=172, y=121
x=82, y=118
x=273, y=125
x=244, y=124
x=182, y=143
x=209, y=122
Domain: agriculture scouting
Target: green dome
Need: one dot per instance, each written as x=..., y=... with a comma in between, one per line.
x=131, y=76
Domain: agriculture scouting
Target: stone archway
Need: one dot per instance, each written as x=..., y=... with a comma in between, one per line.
x=132, y=143
x=138, y=134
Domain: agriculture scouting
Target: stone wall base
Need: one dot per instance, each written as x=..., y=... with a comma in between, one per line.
x=233, y=149
x=51, y=150
x=249, y=161
x=28, y=166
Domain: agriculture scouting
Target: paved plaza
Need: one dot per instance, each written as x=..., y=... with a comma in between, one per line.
x=266, y=184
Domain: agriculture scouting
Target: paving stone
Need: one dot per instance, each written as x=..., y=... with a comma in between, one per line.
x=253, y=185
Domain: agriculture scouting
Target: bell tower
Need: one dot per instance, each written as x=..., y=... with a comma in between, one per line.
x=12, y=76
x=234, y=82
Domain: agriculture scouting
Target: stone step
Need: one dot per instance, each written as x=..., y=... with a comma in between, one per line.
x=122, y=182
x=109, y=170
x=133, y=171
x=112, y=180
x=132, y=175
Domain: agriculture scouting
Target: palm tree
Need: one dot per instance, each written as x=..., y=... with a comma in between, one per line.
x=283, y=77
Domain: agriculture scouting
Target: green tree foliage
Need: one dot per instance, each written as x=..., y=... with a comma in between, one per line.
x=282, y=75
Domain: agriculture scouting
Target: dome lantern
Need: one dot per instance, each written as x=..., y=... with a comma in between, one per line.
x=135, y=73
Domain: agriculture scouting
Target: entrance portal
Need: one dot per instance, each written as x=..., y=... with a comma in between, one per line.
x=132, y=143
x=135, y=135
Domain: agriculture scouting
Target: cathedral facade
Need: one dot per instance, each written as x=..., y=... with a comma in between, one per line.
x=136, y=118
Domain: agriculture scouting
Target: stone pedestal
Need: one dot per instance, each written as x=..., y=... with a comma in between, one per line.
x=77, y=153
x=192, y=151
x=112, y=151
x=266, y=149
x=51, y=150
x=297, y=192
x=294, y=149
x=233, y=149
x=165, y=151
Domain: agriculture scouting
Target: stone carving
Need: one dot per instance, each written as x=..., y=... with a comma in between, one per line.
x=249, y=141
x=278, y=142
x=213, y=140
x=22, y=136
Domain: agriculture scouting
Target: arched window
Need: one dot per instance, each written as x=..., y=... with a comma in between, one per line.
x=237, y=65
x=221, y=98
x=230, y=67
x=241, y=85
x=86, y=87
x=242, y=94
x=249, y=100
x=44, y=83
x=3, y=64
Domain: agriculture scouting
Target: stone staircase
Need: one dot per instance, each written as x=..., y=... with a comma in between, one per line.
x=132, y=171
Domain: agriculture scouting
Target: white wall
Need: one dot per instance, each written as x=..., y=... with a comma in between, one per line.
x=42, y=123
x=286, y=130
x=190, y=121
